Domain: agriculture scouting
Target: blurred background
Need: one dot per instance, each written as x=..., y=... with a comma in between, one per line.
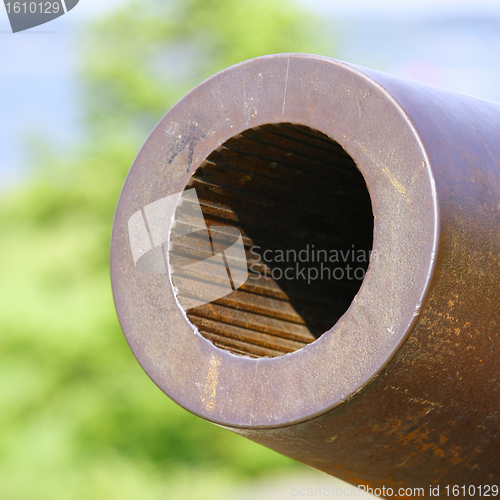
x=79, y=419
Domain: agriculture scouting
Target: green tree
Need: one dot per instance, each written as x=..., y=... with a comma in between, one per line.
x=79, y=419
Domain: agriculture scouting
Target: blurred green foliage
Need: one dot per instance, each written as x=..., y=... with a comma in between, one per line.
x=78, y=417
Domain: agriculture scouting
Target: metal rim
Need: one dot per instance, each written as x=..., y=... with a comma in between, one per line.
x=330, y=97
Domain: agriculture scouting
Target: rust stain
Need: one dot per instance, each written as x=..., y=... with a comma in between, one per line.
x=211, y=382
x=394, y=181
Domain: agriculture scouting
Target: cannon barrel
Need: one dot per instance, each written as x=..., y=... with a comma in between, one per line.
x=307, y=253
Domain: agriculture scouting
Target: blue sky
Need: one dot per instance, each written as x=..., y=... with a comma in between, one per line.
x=450, y=43
x=402, y=8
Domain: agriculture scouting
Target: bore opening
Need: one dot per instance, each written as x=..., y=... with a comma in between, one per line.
x=304, y=213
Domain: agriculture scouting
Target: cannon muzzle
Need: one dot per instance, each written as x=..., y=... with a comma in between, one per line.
x=307, y=253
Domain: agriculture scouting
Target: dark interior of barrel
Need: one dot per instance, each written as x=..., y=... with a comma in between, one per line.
x=305, y=215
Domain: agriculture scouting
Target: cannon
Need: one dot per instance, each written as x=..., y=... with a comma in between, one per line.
x=307, y=253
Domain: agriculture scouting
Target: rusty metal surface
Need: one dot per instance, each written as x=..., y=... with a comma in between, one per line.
x=404, y=389
x=254, y=184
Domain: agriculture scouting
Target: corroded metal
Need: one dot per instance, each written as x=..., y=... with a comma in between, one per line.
x=403, y=390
